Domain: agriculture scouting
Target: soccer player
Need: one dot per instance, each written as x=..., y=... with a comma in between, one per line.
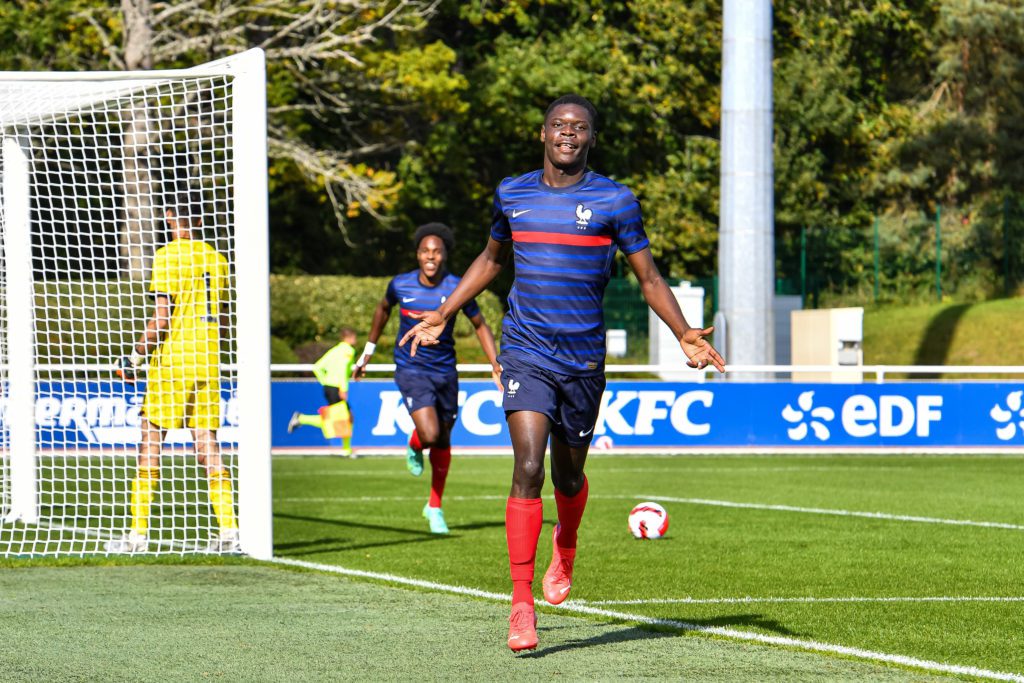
x=333, y=370
x=188, y=287
x=563, y=224
x=429, y=382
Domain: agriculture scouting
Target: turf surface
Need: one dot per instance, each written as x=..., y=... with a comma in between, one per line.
x=191, y=622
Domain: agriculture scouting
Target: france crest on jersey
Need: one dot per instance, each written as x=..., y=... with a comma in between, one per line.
x=564, y=242
x=410, y=295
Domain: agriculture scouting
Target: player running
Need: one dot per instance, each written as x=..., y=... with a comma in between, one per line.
x=183, y=383
x=563, y=223
x=429, y=382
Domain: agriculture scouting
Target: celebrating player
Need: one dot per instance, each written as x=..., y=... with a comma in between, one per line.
x=333, y=370
x=183, y=383
x=429, y=382
x=563, y=224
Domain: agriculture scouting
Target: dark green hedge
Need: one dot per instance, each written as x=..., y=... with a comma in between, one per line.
x=306, y=312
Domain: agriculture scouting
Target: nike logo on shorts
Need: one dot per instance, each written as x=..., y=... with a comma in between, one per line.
x=584, y=433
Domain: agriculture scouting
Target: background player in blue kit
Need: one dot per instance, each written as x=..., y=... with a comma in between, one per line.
x=428, y=382
x=563, y=224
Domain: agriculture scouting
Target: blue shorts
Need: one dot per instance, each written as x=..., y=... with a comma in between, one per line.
x=570, y=402
x=424, y=390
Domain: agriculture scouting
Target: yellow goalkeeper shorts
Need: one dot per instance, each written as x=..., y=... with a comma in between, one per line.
x=178, y=402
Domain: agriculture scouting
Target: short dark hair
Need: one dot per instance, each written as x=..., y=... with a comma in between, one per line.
x=578, y=100
x=186, y=205
x=439, y=230
x=346, y=331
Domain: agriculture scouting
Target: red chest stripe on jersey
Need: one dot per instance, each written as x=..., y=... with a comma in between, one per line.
x=561, y=238
x=407, y=311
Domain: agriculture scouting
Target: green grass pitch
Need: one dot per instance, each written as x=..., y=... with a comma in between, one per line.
x=916, y=557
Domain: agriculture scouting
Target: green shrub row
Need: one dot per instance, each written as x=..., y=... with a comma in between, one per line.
x=307, y=312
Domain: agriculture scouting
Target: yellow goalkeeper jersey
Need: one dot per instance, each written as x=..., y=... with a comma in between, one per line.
x=194, y=276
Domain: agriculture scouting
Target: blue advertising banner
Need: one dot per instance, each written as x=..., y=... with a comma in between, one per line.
x=669, y=415
x=634, y=414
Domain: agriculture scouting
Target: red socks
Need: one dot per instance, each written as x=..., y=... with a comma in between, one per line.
x=523, y=520
x=570, y=512
x=440, y=459
x=414, y=441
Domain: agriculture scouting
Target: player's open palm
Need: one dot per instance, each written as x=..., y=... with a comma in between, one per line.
x=699, y=350
x=427, y=332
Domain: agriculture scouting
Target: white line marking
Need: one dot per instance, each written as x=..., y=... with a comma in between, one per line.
x=752, y=600
x=734, y=634
x=688, y=501
x=826, y=511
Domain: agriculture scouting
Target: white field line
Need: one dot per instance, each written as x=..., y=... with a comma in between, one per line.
x=733, y=634
x=687, y=501
x=809, y=600
x=826, y=511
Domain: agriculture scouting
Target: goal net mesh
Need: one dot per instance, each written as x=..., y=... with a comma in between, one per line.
x=105, y=161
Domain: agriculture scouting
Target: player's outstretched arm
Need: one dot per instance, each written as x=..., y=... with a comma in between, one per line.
x=659, y=297
x=380, y=319
x=481, y=273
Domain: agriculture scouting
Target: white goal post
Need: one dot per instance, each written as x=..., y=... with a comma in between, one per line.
x=95, y=168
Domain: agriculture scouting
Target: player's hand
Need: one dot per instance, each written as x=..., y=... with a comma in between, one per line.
x=127, y=367
x=496, y=376
x=359, y=370
x=699, y=351
x=427, y=332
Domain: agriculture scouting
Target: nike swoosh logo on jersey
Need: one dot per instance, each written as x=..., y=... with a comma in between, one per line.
x=518, y=213
x=407, y=299
x=584, y=433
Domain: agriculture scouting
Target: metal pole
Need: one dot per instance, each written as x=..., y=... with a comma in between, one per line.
x=803, y=266
x=746, y=240
x=876, y=259
x=938, y=251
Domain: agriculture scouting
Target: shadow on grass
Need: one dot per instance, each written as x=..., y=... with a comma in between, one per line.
x=331, y=545
x=649, y=632
x=938, y=338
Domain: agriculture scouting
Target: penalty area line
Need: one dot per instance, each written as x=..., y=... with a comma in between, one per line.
x=827, y=511
x=729, y=633
x=810, y=600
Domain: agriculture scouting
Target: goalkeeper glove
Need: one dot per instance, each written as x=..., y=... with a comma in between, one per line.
x=127, y=367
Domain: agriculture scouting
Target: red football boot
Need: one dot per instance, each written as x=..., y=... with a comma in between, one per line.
x=522, y=627
x=558, y=577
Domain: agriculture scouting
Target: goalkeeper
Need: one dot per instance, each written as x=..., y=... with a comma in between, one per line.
x=332, y=371
x=183, y=384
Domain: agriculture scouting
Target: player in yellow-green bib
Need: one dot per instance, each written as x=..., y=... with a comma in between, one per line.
x=333, y=370
x=188, y=286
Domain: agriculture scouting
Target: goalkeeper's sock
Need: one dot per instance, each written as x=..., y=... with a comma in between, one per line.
x=222, y=499
x=143, y=485
x=311, y=421
x=570, y=512
x=523, y=520
x=346, y=443
x=440, y=460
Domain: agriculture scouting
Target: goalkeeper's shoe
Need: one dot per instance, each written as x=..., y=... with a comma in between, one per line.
x=413, y=461
x=558, y=577
x=522, y=627
x=225, y=542
x=129, y=544
x=293, y=423
x=436, y=519
x=126, y=370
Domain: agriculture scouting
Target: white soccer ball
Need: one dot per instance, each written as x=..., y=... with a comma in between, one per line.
x=648, y=520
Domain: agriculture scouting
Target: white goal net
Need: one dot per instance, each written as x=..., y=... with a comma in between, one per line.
x=133, y=237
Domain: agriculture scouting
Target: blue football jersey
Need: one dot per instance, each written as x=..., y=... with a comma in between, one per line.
x=406, y=292
x=564, y=241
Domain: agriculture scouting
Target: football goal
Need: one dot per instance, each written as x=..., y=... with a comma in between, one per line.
x=95, y=258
